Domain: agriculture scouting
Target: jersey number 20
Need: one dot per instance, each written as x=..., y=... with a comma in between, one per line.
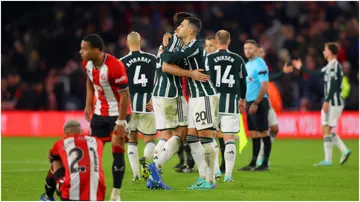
x=140, y=78
x=226, y=78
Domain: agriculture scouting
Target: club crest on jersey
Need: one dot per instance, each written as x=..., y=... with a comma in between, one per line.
x=103, y=77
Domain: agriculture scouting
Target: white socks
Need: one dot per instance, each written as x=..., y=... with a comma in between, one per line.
x=134, y=158
x=170, y=148
x=216, y=147
x=210, y=156
x=339, y=143
x=230, y=155
x=149, y=151
x=328, y=147
x=197, y=152
x=159, y=147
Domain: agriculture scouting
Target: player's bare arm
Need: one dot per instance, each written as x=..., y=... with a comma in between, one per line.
x=196, y=75
x=120, y=128
x=263, y=91
x=89, y=99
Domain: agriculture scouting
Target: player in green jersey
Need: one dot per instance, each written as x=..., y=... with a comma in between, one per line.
x=203, y=102
x=333, y=102
x=140, y=68
x=229, y=75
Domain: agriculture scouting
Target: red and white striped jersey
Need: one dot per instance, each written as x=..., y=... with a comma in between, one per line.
x=82, y=159
x=107, y=80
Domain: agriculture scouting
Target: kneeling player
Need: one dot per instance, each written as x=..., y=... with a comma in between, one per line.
x=141, y=67
x=228, y=72
x=76, y=167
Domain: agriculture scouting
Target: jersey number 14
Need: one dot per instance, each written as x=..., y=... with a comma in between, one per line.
x=140, y=78
x=226, y=78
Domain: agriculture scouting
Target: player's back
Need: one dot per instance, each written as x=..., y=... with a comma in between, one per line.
x=226, y=70
x=140, y=68
x=82, y=159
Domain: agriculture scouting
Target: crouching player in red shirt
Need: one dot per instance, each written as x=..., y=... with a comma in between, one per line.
x=76, y=167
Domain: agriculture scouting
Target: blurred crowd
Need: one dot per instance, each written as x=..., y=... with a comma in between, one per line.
x=40, y=43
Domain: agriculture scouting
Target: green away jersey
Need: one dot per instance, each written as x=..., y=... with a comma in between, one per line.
x=167, y=85
x=140, y=68
x=228, y=72
x=333, y=77
x=192, y=58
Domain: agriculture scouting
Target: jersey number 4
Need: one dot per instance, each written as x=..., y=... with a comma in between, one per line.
x=140, y=78
x=226, y=78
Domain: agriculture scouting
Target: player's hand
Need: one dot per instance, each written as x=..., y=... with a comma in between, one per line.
x=149, y=106
x=297, y=63
x=166, y=39
x=288, y=68
x=253, y=108
x=161, y=50
x=87, y=113
x=325, y=107
x=197, y=75
x=242, y=105
x=120, y=130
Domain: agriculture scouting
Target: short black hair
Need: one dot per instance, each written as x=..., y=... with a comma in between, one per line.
x=333, y=47
x=195, y=22
x=252, y=42
x=179, y=17
x=95, y=41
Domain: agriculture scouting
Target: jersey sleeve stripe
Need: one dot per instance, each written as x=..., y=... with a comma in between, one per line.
x=175, y=39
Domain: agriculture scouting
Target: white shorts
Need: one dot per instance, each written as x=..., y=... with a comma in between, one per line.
x=272, y=118
x=170, y=113
x=331, y=118
x=204, y=112
x=143, y=123
x=229, y=124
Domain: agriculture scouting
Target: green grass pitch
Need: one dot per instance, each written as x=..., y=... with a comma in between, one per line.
x=292, y=175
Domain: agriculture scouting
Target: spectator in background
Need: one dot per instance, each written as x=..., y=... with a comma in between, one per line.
x=300, y=28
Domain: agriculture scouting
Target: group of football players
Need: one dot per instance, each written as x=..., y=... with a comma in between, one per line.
x=187, y=94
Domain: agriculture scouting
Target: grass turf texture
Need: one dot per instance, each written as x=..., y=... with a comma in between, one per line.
x=292, y=175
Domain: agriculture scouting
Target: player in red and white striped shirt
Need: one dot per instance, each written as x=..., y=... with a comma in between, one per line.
x=107, y=79
x=76, y=167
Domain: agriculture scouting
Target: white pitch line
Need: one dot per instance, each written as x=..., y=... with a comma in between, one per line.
x=25, y=162
x=25, y=170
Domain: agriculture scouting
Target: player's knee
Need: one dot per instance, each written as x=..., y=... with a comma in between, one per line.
x=118, y=149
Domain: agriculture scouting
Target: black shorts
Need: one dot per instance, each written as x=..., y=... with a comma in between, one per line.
x=102, y=126
x=259, y=120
